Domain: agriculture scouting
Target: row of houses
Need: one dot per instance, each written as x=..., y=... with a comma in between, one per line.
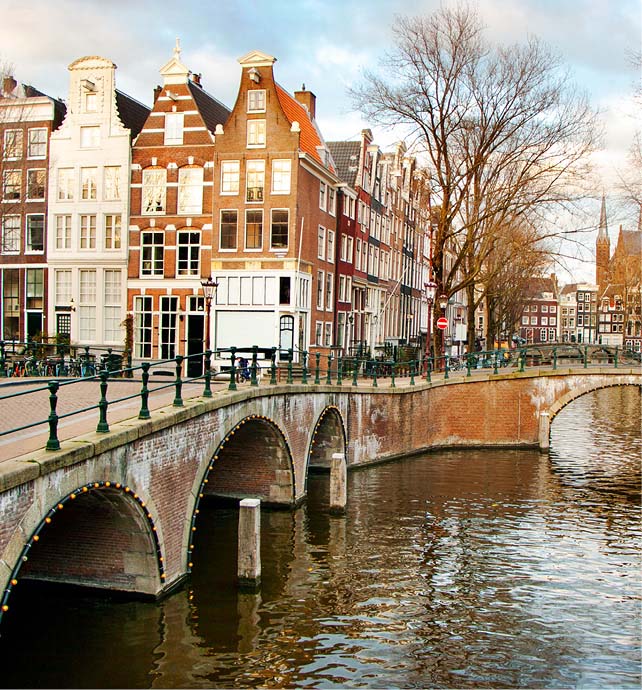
x=110, y=208
x=607, y=312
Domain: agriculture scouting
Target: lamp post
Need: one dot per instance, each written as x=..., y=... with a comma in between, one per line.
x=431, y=291
x=209, y=290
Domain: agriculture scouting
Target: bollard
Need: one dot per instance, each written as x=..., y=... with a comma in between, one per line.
x=178, y=383
x=273, y=367
x=304, y=372
x=53, y=443
x=255, y=364
x=207, y=393
x=289, y=378
x=249, y=543
x=144, y=392
x=329, y=373
x=232, y=384
x=317, y=369
x=544, y=430
x=102, y=426
x=338, y=484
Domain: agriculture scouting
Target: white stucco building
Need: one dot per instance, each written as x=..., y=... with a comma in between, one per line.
x=88, y=206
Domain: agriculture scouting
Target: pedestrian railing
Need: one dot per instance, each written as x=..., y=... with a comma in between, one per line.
x=316, y=369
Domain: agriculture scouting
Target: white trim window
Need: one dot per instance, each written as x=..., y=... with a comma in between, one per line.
x=87, y=305
x=332, y=201
x=330, y=246
x=87, y=231
x=113, y=231
x=90, y=137
x=62, y=287
x=36, y=180
x=190, y=191
x=152, y=253
x=281, y=176
x=329, y=291
x=188, y=252
x=328, y=334
x=63, y=232
x=174, y=126
x=143, y=322
x=10, y=235
x=37, y=143
x=13, y=144
x=113, y=300
x=111, y=182
x=88, y=189
x=256, y=100
x=279, y=228
x=320, y=288
x=256, y=134
x=154, y=191
x=318, y=335
x=321, y=242
x=35, y=233
x=255, y=183
x=66, y=183
x=323, y=199
x=228, y=233
x=230, y=177
x=167, y=331
x=12, y=185
x=254, y=229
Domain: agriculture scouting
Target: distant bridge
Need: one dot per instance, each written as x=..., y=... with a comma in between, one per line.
x=118, y=510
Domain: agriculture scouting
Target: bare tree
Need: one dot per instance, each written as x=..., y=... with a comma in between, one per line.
x=504, y=132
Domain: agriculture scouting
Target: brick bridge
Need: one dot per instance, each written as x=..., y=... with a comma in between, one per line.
x=118, y=510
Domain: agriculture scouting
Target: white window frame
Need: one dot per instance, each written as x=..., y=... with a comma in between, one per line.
x=323, y=198
x=112, y=183
x=154, y=191
x=281, y=176
x=190, y=191
x=155, y=258
x=36, y=172
x=236, y=234
x=28, y=229
x=113, y=231
x=89, y=183
x=279, y=247
x=63, y=231
x=330, y=250
x=255, y=181
x=320, y=289
x=254, y=211
x=66, y=184
x=13, y=144
x=256, y=134
x=90, y=137
x=321, y=235
x=230, y=177
x=188, y=242
x=37, y=142
x=11, y=234
x=256, y=100
x=87, y=232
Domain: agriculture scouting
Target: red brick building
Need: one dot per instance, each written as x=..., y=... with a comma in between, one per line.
x=274, y=249
x=27, y=118
x=540, y=315
x=170, y=232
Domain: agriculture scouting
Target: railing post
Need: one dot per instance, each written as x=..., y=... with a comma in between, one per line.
x=412, y=372
x=53, y=443
x=339, y=371
x=304, y=372
x=232, y=386
x=446, y=369
x=355, y=371
x=392, y=375
x=3, y=371
x=329, y=373
x=615, y=357
x=468, y=358
x=495, y=361
x=522, y=358
x=102, y=426
x=290, y=354
x=86, y=355
x=428, y=369
x=144, y=392
x=585, y=356
x=317, y=369
x=554, y=358
x=207, y=393
x=178, y=400
x=273, y=367
x=374, y=375
x=253, y=379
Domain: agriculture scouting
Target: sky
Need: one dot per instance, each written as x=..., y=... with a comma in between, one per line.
x=326, y=45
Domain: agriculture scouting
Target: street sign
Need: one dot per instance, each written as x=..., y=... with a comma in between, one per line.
x=442, y=323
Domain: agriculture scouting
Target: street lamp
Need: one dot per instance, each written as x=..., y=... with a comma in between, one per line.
x=431, y=291
x=209, y=290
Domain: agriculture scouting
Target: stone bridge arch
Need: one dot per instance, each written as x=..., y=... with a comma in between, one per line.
x=588, y=387
x=328, y=437
x=101, y=535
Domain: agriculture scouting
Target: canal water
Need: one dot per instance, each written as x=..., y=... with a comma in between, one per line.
x=477, y=569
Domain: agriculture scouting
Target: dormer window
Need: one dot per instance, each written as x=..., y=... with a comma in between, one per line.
x=91, y=102
x=256, y=101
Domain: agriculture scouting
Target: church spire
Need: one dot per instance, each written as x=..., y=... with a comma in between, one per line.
x=603, y=233
x=602, y=248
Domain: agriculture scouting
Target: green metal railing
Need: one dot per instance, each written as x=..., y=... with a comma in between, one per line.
x=325, y=370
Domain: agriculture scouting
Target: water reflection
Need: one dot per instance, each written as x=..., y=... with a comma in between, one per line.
x=461, y=569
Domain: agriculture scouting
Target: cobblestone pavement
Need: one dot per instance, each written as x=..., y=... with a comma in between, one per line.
x=33, y=406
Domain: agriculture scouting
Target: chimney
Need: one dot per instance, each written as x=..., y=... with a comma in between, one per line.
x=8, y=85
x=308, y=99
x=196, y=79
x=157, y=92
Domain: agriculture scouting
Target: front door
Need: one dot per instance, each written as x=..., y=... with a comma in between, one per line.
x=195, y=343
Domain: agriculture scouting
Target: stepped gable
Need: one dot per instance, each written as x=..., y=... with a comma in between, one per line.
x=211, y=109
x=133, y=114
x=310, y=137
x=346, y=158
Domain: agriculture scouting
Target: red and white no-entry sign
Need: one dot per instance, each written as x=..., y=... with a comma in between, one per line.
x=442, y=323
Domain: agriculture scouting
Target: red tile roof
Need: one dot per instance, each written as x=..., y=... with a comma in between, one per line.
x=310, y=136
